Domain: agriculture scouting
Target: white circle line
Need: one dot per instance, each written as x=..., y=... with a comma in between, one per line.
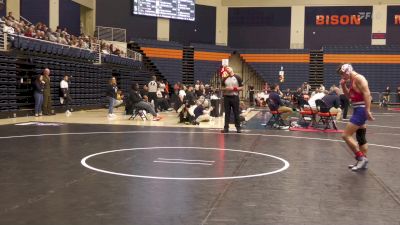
x=84, y=163
x=191, y=132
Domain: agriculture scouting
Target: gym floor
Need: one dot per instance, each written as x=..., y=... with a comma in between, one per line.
x=86, y=169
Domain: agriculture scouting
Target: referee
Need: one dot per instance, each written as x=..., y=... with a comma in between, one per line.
x=232, y=84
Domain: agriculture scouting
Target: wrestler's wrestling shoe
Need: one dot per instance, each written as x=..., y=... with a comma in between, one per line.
x=359, y=165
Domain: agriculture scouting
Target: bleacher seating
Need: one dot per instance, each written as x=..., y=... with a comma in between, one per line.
x=208, y=60
x=380, y=65
x=34, y=45
x=370, y=61
x=8, y=81
x=166, y=56
x=268, y=62
x=114, y=59
x=87, y=80
x=160, y=44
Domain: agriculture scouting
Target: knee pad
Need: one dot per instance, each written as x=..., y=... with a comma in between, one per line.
x=360, y=135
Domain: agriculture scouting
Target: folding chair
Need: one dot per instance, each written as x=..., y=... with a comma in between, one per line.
x=276, y=120
x=325, y=116
x=307, y=115
x=138, y=112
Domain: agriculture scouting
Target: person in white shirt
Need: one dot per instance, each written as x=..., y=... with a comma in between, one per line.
x=65, y=97
x=319, y=94
x=153, y=87
x=261, y=98
x=161, y=88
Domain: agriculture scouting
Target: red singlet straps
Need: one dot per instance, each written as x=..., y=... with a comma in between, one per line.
x=355, y=96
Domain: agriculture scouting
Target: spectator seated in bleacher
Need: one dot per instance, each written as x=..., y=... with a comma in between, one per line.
x=136, y=102
x=332, y=101
x=43, y=32
x=110, y=49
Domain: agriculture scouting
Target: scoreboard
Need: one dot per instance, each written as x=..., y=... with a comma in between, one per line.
x=172, y=9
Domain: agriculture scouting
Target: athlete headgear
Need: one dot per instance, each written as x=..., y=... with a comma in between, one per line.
x=347, y=69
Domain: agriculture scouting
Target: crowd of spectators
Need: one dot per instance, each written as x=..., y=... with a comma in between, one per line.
x=61, y=35
x=304, y=98
x=42, y=32
x=192, y=103
x=107, y=48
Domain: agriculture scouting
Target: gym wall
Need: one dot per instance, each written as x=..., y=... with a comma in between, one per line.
x=35, y=11
x=113, y=14
x=70, y=16
x=3, y=11
x=202, y=30
x=393, y=25
x=339, y=31
x=259, y=27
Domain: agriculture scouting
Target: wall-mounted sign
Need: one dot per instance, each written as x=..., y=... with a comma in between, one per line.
x=378, y=36
x=337, y=20
x=338, y=16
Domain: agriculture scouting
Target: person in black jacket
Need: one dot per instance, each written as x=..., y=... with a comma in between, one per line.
x=332, y=101
x=137, y=101
x=111, y=94
x=38, y=87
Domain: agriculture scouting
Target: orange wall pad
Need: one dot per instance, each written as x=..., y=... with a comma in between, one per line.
x=210, y=56
x=162, y=53
x=276, y=58
x=362, y=58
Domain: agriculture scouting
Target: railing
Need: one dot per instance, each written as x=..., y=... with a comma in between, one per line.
x=3, y=38
x=26, y=20
x=110, y=34
x=95, y=47
x=377, y=97
x=49, y=42
x=133, y=55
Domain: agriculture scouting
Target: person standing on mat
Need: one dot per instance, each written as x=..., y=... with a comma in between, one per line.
x=360, y=97
x=231, y=86
x=47, y=106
